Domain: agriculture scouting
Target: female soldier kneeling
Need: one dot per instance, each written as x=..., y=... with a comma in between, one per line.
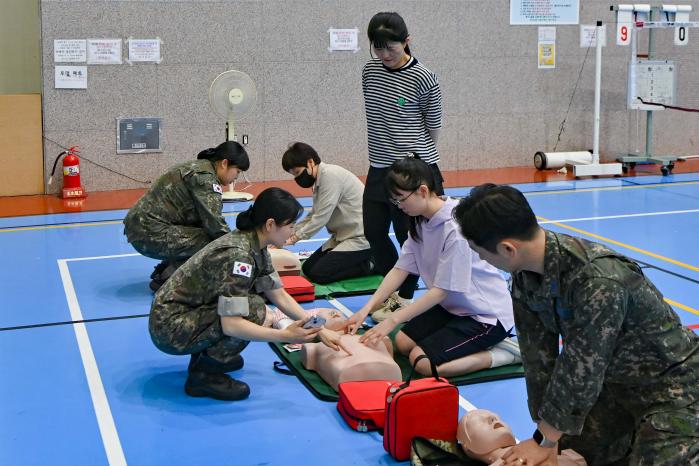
x=211, y=306
x=181, y=213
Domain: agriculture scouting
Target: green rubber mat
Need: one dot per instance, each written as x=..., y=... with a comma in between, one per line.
x=349, y=287
x=325, y=392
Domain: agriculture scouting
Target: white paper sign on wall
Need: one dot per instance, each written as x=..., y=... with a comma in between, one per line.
x=344, y=40
x=104, y=52
x=144, y=50
x=70, y=77
x=588, y=33
x=69, y=51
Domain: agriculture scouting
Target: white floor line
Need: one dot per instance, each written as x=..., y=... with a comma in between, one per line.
x=315, y=240
x=105, y=421
x=463, y=402
x=341, y=307
x=607, y=217
x=114, y=256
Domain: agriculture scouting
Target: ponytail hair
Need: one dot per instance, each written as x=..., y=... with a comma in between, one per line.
x=387, y=27
x=229, y=150
x=408, y=174
x=274, y=203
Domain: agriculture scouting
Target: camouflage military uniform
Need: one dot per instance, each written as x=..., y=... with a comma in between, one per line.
x=179, y=215
x=628, y=373
x=222, y=279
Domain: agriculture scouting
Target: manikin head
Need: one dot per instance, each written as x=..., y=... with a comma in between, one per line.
x=285, y=262
x=334, y=319
x=480, y=432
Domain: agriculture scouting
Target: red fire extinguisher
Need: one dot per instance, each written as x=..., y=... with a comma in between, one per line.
x=71, y=174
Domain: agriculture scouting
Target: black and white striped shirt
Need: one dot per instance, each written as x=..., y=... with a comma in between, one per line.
x=401, y=105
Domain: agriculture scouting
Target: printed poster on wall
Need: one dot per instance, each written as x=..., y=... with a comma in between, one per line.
x=533, y=12
x=547, y=47
x=104, y=51
x=69, y=51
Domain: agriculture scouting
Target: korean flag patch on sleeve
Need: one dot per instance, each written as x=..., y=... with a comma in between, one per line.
x=217, y=188
x=241, y=268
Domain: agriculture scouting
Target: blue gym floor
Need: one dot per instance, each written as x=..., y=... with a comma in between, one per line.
x=82, y=384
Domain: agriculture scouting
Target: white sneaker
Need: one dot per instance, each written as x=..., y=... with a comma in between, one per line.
x=504, y=353
x=391, y=305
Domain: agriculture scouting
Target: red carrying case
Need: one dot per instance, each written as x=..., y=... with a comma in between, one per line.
x=426, y=407
x=299, y=288
x=363, y=404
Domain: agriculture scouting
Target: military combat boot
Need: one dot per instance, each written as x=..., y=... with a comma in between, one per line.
x=158, y=270
x=217, y=386
x=208, y=378
x=202, y=362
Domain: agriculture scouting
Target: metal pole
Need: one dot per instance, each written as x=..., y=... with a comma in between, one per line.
x=649, y=113
x=598, y=91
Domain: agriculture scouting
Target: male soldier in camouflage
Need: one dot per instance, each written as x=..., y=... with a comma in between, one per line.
x=211, y=306
x=181, y=213
x=624, y=388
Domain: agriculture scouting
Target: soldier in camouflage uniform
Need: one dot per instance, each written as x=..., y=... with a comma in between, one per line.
x=181, y=213
x=624, y=388
x=211, y=307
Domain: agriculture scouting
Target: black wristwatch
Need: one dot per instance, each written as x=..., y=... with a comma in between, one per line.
x=543, y=441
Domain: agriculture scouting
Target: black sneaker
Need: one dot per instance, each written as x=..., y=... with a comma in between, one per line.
x=217, y=386
x=202, y=362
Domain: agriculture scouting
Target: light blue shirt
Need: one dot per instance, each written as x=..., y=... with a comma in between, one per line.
x=443, y=259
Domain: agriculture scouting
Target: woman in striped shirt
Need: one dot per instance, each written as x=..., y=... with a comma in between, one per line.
x=403, y=105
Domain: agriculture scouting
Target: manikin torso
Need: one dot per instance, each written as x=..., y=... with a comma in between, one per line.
x=365, y=362
x=485, y=437
x=335, y=367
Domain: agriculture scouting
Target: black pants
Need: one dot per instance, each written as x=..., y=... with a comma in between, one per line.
x=444, y=336
x=330, y=266
x=378, y=215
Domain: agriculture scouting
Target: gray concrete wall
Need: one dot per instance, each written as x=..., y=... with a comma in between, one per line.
x=498, y=107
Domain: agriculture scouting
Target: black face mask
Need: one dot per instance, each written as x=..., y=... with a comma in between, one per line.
x=305, y=179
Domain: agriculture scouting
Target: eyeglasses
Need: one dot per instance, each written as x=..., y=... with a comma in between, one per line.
x=398, y=202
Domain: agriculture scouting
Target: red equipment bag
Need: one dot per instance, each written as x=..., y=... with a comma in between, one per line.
x=363, y=404
x=426, y=407
x=299, y=288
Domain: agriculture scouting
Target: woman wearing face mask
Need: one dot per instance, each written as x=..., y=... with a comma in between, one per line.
x=181, y=213
x=403, y=104
x=337, y=205
x=212, y=307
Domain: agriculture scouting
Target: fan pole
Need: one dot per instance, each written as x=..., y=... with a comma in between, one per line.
x=230, y=131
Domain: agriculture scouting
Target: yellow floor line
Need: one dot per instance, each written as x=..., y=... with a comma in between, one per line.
x=623, y=245
x=681, y=306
